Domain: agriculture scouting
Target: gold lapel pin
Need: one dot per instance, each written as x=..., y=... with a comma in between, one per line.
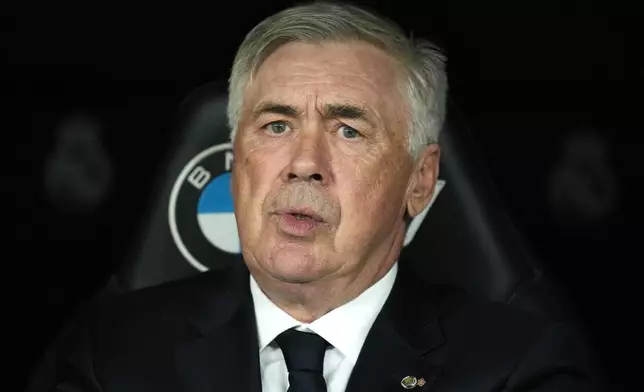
x=411, y=382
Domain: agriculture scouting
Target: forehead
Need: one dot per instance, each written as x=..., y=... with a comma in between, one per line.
x=329, y=72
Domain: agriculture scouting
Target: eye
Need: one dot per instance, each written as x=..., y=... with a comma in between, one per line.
x=276, y=127
x=349, y=132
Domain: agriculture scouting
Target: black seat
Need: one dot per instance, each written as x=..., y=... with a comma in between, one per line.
x=463, y=238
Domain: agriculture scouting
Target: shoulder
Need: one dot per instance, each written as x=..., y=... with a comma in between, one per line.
x=464, y=315
x=164, y=306
x=136, y=331
x=520, y=346
x=500, y=326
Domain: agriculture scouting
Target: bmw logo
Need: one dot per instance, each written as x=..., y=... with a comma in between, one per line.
x=201, y=215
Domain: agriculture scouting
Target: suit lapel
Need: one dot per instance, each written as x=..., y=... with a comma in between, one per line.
x=401, y=340
x=219, y=351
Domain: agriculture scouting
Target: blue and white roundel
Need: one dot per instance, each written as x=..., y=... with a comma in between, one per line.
x=200, y=210
x=216, y=216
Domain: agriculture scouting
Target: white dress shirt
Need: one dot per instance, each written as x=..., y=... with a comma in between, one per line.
x=345, y=328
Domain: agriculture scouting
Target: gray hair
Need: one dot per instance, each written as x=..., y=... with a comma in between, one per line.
x=425, y=79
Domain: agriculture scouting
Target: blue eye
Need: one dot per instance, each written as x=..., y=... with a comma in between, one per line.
x=349, y=132
x=277, y=127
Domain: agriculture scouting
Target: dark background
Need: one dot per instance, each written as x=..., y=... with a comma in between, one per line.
x=526, y=74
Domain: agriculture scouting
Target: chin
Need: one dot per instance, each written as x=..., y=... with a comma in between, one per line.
x=292, y=263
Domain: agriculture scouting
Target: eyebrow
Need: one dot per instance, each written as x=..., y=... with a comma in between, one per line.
x=274, y=108
x=347, y=111
x=329, y=111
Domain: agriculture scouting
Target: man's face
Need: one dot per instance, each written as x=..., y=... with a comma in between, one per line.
x=321, y=171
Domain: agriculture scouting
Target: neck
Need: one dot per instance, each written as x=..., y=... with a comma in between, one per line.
x=306, y=302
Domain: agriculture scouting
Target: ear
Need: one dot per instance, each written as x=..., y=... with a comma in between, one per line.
x=423, y=179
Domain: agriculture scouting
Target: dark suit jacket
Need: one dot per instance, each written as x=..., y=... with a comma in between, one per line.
x=199, y=334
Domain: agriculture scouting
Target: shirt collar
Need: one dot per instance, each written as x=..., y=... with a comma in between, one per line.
x=356, y=317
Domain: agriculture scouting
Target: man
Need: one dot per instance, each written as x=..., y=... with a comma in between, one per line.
x=334, y=118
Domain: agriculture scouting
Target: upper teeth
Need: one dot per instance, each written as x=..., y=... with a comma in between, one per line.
x=301, y=216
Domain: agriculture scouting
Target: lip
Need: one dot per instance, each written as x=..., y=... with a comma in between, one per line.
x=300, y=211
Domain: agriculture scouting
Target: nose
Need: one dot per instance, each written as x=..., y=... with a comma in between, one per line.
x=310, y=159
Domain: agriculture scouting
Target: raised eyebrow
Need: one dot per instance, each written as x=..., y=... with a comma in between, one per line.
x=275, y=108
x=331, y=110
x=347, y=111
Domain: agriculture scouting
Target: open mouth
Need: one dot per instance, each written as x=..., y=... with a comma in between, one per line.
x=301, y=214
x=299, y=222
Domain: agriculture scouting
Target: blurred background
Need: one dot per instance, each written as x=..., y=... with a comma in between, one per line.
x=550, y=89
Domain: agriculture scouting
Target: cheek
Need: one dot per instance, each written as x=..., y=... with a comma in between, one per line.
x=252, y=181
x=373, y=192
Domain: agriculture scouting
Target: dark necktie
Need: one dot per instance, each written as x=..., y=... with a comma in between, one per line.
x=304, y=355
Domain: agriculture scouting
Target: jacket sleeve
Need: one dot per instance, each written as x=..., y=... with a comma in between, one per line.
x=559, y=360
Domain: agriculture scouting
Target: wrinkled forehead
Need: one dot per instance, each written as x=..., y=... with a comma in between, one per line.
x=352, y=73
